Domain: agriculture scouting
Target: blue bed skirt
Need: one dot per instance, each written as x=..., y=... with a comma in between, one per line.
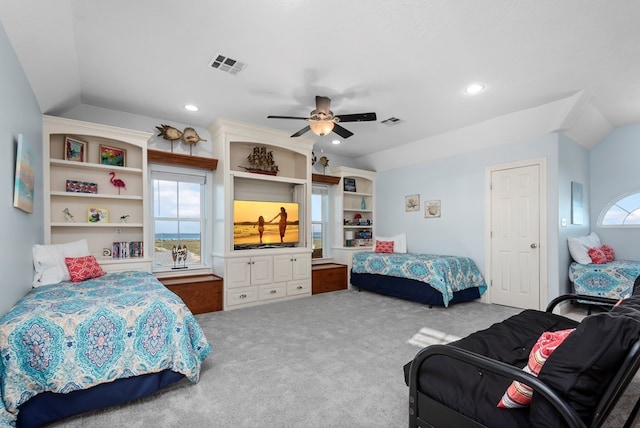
x=48, y=406
x=409, y=289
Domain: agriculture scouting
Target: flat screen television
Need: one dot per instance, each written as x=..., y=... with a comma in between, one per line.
x=265, y=224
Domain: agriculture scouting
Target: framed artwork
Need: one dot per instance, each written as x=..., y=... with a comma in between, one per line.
x=577, y=207
x=349, y=184
x=432, y=209
x=98, y=215
x=113, y=156
x=24, y=178
x=412, y=203
x=75, y=150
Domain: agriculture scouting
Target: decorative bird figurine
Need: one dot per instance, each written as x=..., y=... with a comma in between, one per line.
x=68, y=216
x=123, y=218
x=191, y=137
x=117, y=182
x=169, y=133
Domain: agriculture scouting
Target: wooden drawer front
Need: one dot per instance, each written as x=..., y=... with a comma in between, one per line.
x=327, y=279
x=298, y=287
x=273, y=291
x=239, y=297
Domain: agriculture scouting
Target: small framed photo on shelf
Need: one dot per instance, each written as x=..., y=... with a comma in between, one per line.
x=98, y=215
x=81, y=187
x=349, y=184
x=75, y=150
x=113, y=156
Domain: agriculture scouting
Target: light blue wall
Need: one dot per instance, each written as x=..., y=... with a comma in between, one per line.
x=459, y=183
x=19, y=114
x=615, y=172
x=573, y=161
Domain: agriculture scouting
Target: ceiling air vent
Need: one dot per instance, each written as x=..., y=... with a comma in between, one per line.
x=226, y=64
x=391, y=121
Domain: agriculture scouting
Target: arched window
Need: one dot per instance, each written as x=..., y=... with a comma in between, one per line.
x=623, y=212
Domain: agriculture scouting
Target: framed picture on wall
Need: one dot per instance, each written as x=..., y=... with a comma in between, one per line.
x=349, y=184
x=24, y=177
x=412, y=203
x=432, y=209
x=577, y=203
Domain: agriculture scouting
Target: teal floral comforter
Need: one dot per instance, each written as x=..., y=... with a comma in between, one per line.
x=72, y=336
x=444, y=273
x=614, y=280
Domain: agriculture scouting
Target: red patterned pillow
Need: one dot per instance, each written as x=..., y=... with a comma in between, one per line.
x=384, y=246
x=597, y=256
x=608, y=253
x=81, y=268
x=518, y=394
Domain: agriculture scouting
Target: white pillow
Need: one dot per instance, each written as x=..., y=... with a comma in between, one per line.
x=49, y=264
x=579, y=247
x=399, y=242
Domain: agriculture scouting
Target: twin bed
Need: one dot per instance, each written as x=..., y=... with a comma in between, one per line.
x=424, y=278
x=71, y=347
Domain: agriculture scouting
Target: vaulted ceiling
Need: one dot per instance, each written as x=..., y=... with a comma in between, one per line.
x=404, y=59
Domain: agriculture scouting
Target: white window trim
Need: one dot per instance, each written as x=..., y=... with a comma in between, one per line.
x=606, y=209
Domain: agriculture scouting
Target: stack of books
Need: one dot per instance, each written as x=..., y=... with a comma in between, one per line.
x=125, y=249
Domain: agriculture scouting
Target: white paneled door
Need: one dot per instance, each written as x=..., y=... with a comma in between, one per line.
x=515, y=237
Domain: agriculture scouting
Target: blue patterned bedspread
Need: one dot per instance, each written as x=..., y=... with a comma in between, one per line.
x=614, y=280
x=444, y=273
x=71, y=336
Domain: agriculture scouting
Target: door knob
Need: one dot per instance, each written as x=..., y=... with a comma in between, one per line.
x=534, y=245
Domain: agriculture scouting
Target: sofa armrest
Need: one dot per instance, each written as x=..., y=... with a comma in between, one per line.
x=491, y=365
x=595, y=299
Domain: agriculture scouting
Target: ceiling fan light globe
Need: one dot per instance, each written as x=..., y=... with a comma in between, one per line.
x=321, y=127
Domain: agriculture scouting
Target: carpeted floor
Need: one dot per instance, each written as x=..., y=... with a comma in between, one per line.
x=329, y=360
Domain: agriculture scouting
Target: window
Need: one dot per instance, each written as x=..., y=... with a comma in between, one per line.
x=179, y=218
x=319, y=220
x=623, y=212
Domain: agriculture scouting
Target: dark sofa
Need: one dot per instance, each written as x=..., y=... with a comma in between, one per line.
x=460, y=384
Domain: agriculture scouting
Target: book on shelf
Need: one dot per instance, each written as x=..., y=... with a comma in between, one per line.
x=126, y=249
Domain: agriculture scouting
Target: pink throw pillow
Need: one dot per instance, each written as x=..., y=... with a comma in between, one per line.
x=81, y=268
x=519, y=394
x=384, y=247
x=597, y=256
x=608, y=253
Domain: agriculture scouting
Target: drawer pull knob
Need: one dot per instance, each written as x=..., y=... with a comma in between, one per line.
x=299, y=287
x=272, y=292
x=243, y=296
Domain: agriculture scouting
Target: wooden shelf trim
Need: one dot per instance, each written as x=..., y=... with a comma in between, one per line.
x=169, y=158
x=326, y=179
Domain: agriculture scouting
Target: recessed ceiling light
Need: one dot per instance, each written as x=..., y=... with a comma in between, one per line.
x=191, y=107
x=336, y=142
x=474, y=88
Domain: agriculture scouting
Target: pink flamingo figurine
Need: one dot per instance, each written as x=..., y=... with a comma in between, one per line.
x=117, y=182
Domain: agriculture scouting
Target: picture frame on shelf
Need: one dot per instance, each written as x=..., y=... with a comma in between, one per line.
x=75, y=186
x=97, y=215
x=112, y=156
x=349, y=184
x=75, y=150
x=432, y=209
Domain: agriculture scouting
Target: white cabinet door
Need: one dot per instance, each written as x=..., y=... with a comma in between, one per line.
x=261, y=270
x=238, y=272
x=282, y=267
x=301, y=266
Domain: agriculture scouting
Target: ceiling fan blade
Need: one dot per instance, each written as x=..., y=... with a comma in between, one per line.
x=302, y=131
x=287, y=117
x=323, y=104
x=358, y=117
x=344, y=133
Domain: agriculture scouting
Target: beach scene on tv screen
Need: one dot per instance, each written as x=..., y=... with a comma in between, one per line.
x=266, y=223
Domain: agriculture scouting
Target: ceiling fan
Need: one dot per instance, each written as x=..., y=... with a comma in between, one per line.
x=322, y=121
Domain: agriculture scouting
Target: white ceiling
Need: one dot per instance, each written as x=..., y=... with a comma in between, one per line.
x=409, y=59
